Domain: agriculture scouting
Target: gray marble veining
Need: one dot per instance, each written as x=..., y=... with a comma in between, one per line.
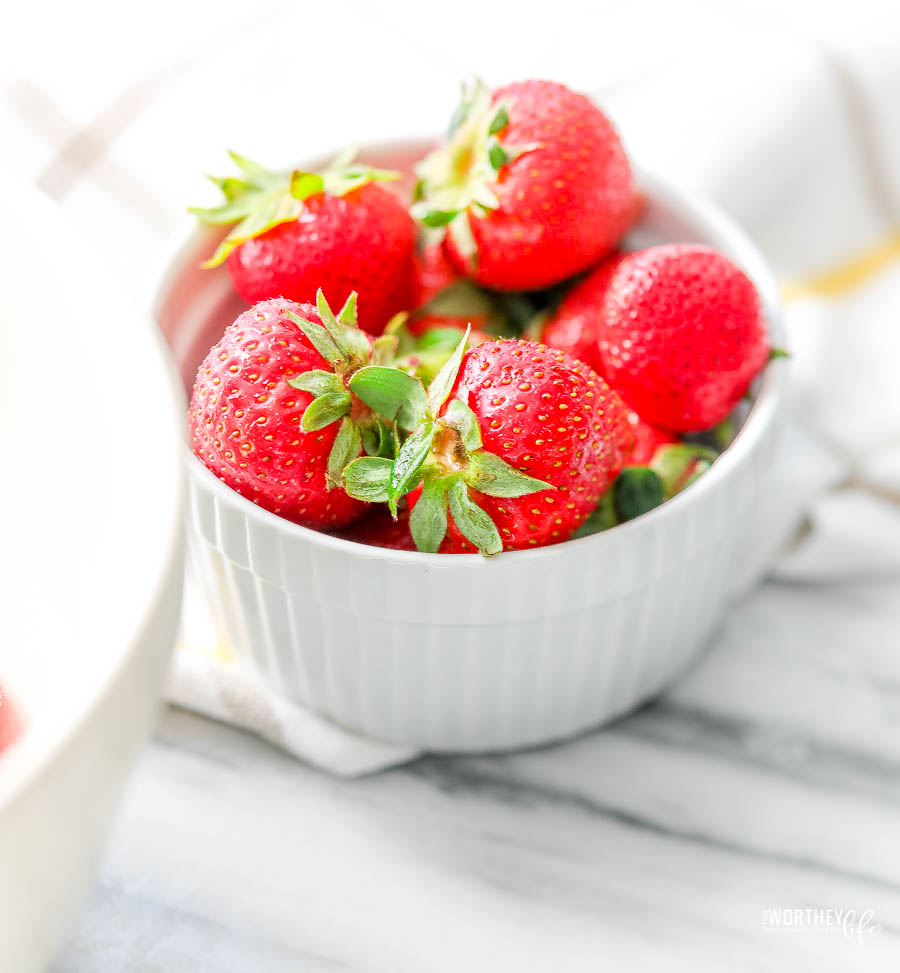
x=769, y=779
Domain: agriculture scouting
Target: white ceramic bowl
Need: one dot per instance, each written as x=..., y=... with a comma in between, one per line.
x=92, y=507
x=463, y=653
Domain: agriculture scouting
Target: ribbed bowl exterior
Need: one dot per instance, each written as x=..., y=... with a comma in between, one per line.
x=462, y=653
x=466, y=654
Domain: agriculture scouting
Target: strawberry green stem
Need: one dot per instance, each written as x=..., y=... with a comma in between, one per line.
x=460, y=176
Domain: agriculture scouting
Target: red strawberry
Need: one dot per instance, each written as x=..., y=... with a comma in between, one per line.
x=265, y=408
x=573, y=327
x=533, y=185
x=379, y=529
x=519, y=440
x=647, y=440
x=681, y=335
x=434, y=272
x=337, y=230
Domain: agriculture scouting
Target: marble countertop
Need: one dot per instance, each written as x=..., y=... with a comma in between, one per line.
x=767, y=781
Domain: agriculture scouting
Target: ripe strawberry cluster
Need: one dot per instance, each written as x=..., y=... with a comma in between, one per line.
x=498, y=376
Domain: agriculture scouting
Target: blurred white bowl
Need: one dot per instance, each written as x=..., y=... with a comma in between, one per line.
x=91, y=503
x=462, y=652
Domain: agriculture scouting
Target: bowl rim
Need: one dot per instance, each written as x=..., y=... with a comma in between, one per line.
x=695, y=207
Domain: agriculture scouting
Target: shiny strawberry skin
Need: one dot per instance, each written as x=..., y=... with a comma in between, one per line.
x=244, y=418
x=574, y=326
x=434, y=272
x=363, y=241
x=551, y=417
x=681, y=335
x=564, y=205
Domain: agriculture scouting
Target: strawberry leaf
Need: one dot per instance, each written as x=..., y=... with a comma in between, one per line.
x=317, y=381
x=637, y=490
x=344, y=175
x=724, y=432
x=329, y=321
x=268, y=210
x=407, y=471
x=445, y=379
x=306, y=184
x=428, y=519
x=233, y=210
x=346, y=447
x=231, y=186
x=499, y=121
x=460, y=299
x=435, y=218
x=325, y=312
x=397, y=328
x=356, y=176
x=438, y=339
x=473, y=523
x=675, y=463
x=319, y=337
x=368, y=478
x=347, y=314
x=324, y=410
x=488, y=473
x=376, y=437
x=384, y=349
x=465, y=422
x=257, y=174
x=496, y=153
x=391, y=393
x=350, y=340
x=264, y=199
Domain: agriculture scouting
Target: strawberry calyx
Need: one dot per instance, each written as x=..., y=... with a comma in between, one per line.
x=443, y=452
x=260, y=199
x=639, y=489
x=348, y=350
x=678, y=465
x=460, y=176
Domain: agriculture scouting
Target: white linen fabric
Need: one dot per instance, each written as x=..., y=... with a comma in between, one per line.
x=790, y=122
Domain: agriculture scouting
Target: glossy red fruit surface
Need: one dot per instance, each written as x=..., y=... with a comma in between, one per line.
x=575, y=325
x=563, y=203
x=244, y=420
x=363, y=241
x=434, y=272
x=681, y=335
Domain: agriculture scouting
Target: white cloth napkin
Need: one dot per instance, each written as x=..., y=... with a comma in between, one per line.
x=791, y=126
